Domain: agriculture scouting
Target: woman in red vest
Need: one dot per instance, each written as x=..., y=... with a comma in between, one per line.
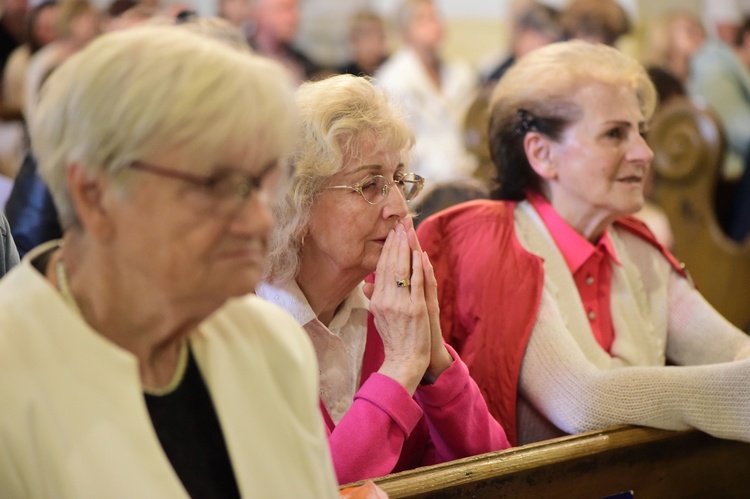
x=565, y=309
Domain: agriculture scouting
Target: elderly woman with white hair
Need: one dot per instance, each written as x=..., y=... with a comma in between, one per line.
x=163, y=150
x=435, y=93
x=393, y=395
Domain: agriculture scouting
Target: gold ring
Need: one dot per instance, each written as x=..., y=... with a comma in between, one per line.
x=402, y=283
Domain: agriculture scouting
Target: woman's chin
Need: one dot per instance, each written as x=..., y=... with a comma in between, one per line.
x=636, y=206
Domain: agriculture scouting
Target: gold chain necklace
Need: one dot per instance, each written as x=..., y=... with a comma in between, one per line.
x=179, y=373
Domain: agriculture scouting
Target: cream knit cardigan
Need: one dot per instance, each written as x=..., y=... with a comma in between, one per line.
x=658, y=316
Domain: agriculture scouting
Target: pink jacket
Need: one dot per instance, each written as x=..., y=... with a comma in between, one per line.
x=386, y=430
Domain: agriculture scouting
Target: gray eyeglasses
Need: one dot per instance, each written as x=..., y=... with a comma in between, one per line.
x=221, y=193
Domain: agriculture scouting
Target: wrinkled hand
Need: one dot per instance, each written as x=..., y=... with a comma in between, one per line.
x=440, y=358
x=401, y=314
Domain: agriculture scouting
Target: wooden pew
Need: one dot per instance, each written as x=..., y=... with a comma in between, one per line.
x=688, y=150
x=649, y=462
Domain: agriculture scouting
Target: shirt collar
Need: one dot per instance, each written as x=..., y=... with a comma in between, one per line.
x=575, y=248
x=289, y=296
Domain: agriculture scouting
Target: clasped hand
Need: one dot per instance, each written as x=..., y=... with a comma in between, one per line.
x=408, y=317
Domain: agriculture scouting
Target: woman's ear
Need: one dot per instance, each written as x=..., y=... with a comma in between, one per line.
x=87, y=195
x=540, y=152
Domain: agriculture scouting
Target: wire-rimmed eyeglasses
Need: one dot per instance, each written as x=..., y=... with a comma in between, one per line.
x=374, y=188
x=220, y=193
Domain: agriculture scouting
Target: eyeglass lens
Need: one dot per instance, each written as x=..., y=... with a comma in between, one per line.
x=377, y=187
x=224, y=194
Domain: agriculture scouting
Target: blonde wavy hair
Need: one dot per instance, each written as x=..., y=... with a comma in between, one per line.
x=339, y=118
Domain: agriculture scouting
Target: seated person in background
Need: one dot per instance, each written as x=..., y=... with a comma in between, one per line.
x=367, y=42
x=722, y=18
x=534, y=25
x=39, y=31
x=739, y=216
x=77, y=24
x=393, y=395
x=566, y=310
x=275, y=27
x=434, y=94
x=8, y=253
x=596, y=21
x=671, y=43
x=720, y=79
x=104, y=335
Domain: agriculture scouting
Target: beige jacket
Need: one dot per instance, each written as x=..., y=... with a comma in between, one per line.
x=74, y=422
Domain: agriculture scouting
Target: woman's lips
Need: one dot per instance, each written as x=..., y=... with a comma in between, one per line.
x=632, y=179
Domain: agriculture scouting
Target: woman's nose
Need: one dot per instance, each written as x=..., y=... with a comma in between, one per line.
x=640, y=150
x=395, y=203
x=255, y=214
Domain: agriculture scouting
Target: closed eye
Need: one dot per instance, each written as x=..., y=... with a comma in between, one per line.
x=369, y=183
x=215, y=182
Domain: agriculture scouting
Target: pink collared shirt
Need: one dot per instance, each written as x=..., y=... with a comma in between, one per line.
x=591, y=266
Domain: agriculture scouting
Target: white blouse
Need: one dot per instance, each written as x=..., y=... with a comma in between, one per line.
x=340, y=346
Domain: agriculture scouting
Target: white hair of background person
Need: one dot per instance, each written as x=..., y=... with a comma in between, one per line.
x=221, y=89
x=725, y=12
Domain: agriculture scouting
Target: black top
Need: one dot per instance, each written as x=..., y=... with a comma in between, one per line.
x=190, y=433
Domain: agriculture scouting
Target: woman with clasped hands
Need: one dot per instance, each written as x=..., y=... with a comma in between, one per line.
x=559, y=299
x=393, y=395
x=162, y=150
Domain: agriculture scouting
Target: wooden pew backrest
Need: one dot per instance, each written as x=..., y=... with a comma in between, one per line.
x=688, y=150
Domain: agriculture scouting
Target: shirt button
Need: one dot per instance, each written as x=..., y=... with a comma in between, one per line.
x=589, y=280
x=592, y=315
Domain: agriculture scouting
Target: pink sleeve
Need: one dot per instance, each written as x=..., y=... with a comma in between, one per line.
x=460, y=423
x=368, y=440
